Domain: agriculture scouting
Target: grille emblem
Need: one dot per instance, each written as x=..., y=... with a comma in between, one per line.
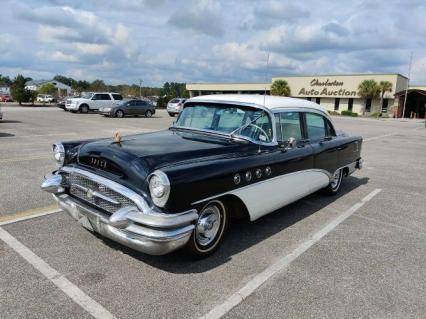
x=90, y=193
x=97, y=162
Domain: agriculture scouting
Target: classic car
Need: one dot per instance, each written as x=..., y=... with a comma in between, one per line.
x=240, y=156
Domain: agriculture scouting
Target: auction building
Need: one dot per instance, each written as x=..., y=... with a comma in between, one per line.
x=334, y=92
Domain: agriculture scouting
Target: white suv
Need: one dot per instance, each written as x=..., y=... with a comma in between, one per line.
x=92, y=102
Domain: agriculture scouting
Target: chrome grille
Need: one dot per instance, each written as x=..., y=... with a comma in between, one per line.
x=97, y=194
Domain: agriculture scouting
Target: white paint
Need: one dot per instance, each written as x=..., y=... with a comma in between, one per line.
x=378, y=137
x=18, y=219
x=237, y=297
x=75, y=293
x=264, y=197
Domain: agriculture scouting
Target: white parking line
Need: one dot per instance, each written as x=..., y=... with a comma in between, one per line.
x=237, y=297
x=377, y=137
x=75, y=293
x=29, y=215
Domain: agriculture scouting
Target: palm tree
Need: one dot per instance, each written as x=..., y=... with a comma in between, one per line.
x=281, y=88
x=385, y=86
x=368, y=89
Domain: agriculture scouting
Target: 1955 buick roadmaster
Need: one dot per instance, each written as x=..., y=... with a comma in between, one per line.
x=225, y=156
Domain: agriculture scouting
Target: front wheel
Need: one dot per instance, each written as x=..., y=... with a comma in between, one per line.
x=172, y=114
x=119, y=113
x=336, y=180
x=209, y=230
x=148, y=113
x=84, y=109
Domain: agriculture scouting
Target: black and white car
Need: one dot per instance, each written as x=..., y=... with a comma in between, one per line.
x=241, y=156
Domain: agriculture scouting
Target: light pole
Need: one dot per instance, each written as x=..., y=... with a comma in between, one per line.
x=408, y=82
x=140, y=89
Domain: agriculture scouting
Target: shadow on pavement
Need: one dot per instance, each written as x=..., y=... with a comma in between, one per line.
x=9, y=121
x=243, y=234
x=6, y=134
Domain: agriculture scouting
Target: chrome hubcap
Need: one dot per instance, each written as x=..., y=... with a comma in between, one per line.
x=208, y=225
x=336, y=179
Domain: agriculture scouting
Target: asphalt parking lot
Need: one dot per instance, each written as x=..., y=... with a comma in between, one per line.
x=359, y=254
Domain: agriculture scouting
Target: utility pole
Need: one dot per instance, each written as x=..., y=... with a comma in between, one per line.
x=140, y=89
x=408, y=82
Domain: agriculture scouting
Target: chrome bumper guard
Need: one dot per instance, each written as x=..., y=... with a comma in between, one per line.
x=147, y=231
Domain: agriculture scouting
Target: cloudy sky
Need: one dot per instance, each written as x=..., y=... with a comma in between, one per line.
x=121, y=41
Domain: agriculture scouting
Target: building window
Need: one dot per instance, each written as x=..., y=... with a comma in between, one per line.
x=385, y=105
x=318, y=100
x=368, y=105
x=309, y=98
x=350, y=104
x=336, y=104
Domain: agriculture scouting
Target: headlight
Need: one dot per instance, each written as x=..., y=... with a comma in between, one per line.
x=59, y=154
x=159, y=188
x=106, y=109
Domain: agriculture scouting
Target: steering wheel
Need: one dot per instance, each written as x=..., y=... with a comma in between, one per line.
x=257, y=128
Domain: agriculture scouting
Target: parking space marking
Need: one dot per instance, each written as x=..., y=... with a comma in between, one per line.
x=236, y=298
x=59, y=280
x=378, y=137
x=21, y=159
x=29, y=214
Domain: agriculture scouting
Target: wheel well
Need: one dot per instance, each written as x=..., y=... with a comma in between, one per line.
x=84, y=104
x=236, y=207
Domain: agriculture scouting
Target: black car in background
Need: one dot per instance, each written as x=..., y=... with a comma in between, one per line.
x=129, y=108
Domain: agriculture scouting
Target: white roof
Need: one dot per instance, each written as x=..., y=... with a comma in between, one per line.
x=268, y=101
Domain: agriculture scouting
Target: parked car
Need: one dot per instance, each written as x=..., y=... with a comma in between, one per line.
x=175, y=106
x=63, y=102
x=129, y=108
x=226, y=156
x=5, y=98
x=45, y=98
x=93, y=101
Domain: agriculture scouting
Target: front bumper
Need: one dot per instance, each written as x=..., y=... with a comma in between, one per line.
x=71, y=107
x=150, y=232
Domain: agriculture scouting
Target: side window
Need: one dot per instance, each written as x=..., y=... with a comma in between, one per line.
x=117, y=97
x=330, y=129
x=316, y=126
x=288, y=125
x=105, y=97
x=96, y=97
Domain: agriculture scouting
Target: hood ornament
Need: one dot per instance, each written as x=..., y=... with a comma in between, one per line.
x=117, y=137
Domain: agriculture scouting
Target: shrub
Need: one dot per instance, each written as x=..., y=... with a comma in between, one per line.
x=333, y=113
x=349, y=113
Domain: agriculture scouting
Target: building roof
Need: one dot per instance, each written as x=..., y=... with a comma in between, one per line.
x=267, y=101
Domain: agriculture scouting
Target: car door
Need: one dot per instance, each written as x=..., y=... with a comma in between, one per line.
x=323, y=141
x=96, y=101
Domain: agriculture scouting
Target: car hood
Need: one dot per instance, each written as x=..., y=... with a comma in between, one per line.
x=144, y=153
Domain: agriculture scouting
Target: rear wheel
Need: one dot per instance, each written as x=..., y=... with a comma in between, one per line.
x=148, y=113
x=119, y=113
x=172, y=114
x=209, y=230
x=336, y=180
x=84, y=108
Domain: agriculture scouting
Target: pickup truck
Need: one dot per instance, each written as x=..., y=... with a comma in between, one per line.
x=92, y=102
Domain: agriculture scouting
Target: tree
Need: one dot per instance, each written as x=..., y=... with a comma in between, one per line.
x=97, y=86
x=65, y=80
x=368, y=89
x=5, y=81
x=48, y=88
x=385, y=86
x=18, y=91
x=81, y=86
x=280, y=88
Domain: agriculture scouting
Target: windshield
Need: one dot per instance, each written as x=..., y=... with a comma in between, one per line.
x=87, y=95
x=248, y=122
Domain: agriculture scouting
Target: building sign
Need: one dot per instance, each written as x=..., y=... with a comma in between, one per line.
x=326, y=88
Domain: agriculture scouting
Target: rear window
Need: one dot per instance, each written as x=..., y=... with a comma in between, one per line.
x=117, y=97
